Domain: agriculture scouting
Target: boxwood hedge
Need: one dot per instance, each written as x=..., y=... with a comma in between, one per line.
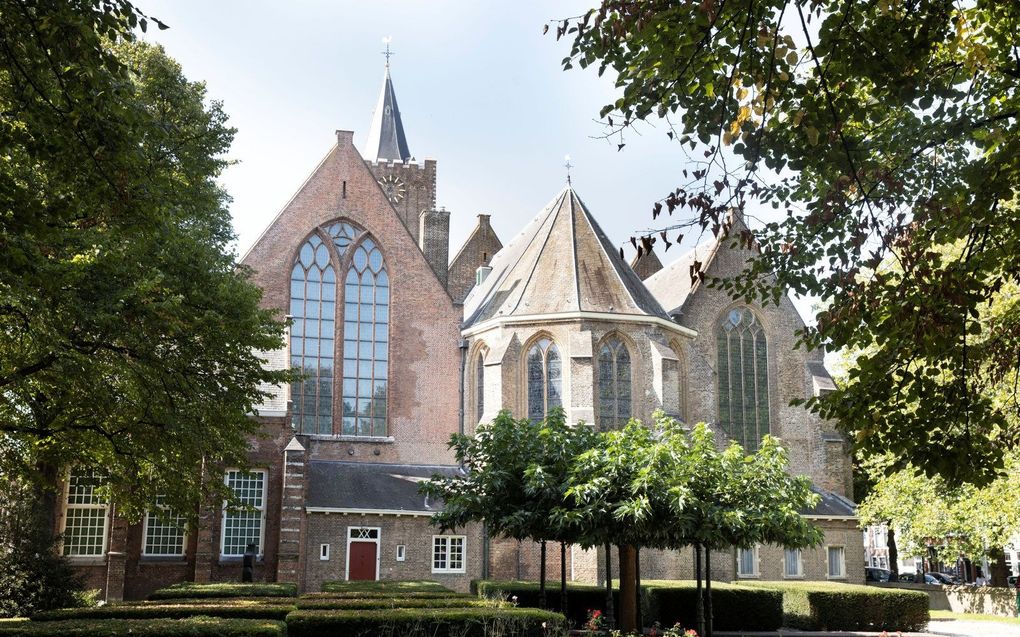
x=835, y=606
x=191, y=627
x=173, y=610
x=581, y=598
x=374, y=603
x=439, y=622
x=734, y=607
x=386, y=595
x=193, y=590
x=385, y=586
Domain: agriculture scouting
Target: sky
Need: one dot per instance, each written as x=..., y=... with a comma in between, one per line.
x=480, y=89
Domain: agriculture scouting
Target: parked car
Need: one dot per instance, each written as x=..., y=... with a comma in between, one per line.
x=908, y=577
x=874, y=574
x=1011, y=581
x=929, y=578
x=942, y=578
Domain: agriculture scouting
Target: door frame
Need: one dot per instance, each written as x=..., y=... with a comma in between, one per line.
x=378, y=548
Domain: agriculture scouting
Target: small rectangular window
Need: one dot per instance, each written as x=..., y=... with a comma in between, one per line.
x=792, y=563
x=400, y=552
x=448, y=554
x=837, y=562
x=747, y=562
x=324, y=552
x=85, y=518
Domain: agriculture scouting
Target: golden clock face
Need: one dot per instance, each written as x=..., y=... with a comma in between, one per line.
x=393, y=187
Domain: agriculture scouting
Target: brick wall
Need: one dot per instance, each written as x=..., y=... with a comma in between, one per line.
x=477, y=251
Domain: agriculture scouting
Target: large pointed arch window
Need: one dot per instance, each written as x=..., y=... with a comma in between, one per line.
x=545, y=380
x=743, y=377
x=359, y=388
x=614, y=384
x=480, y=384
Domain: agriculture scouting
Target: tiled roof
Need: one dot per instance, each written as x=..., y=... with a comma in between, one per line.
x=365, y=485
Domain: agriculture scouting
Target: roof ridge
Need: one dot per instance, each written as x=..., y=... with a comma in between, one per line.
x=558, y=206
x=573, y=246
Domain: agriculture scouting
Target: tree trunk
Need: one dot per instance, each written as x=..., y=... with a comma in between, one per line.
x=628, y=599
x=699, y=600
x=708, y=593
x=541, y=579
x=997, y=566
x=563, y=577
x=637, y=589
x=610, y=619
x=894, y=556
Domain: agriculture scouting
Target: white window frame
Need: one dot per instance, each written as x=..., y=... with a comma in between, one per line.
x=800, y=564
x=261, y=509
x=105, y=506
x=401, y=552
x=842, y=561
x=324, y=552
x=378, y=547
x=447, y=541
x=145, y=537
x=756, y=572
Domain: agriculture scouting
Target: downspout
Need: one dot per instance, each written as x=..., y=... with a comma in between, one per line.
x=463, y=367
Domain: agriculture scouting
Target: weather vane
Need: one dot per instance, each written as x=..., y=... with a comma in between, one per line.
x=568, y=166
x=387, y=52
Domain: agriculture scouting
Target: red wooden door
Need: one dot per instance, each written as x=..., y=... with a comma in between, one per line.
x=362, y=566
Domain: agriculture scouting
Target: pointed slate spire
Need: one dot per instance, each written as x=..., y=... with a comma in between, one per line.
x=386, y=139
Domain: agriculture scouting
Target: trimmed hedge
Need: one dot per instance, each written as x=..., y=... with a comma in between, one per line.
x=212, y=601
x=170, y=611
x=384, y=586
x=734, y=607
x=387, y=595
x=459, y=622
x=834, y=606
x=191, y=627
x=375, y=603
x=193, y=590
x=580, y=597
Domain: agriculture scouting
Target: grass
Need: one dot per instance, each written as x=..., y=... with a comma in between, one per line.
x=948, y=614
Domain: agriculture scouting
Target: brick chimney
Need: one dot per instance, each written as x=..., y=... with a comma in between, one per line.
x=434, y=241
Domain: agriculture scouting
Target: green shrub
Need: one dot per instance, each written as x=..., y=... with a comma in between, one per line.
x=374, y=603
x=213, y=601
x=385, y=586
x=581, y=598
x=193, y=590
x=191, y=627
x=834, y=606
x=452, y=622
x=386, y=595
x=734, y=607
x=173, y=610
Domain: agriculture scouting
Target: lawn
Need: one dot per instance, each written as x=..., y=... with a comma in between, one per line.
x=948, y=614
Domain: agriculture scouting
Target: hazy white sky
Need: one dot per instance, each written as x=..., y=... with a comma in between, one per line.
x=480, y=89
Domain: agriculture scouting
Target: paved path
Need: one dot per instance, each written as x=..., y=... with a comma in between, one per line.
x=962, y=628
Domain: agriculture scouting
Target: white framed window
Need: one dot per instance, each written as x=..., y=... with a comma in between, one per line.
x=401, y=552
x=793, y=565
x=85, y=517
x=836, y=556
x=747, y=562
x=448, y=553
x=242, y=527
x=324, y=552
x=165, y=532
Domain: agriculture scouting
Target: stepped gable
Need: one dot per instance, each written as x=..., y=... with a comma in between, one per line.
x=561, y=262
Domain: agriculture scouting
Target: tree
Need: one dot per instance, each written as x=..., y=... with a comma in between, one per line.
x=130, y=337
x=882, y=130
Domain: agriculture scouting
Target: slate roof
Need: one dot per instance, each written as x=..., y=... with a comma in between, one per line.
x=561, y=262
x=367, y=485
x=672, y=284
x=831, y=505
x=386, y=139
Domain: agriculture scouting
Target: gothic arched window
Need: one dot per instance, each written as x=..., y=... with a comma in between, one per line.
x=614, y=384
x=743, y=378
x=340, y=247
x=480, y=385
x=544, y=378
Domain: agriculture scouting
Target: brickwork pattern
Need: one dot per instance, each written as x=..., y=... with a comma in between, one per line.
x=434, y=238
x=477, y=251
x=419, y=188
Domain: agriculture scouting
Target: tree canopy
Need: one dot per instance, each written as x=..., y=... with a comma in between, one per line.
x=880, y=130
x=129, y=339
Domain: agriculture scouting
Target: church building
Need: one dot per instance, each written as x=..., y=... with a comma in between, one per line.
x=403, y=346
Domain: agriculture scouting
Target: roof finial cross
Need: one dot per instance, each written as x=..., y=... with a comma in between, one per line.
x=568, y=166
x=387, y=52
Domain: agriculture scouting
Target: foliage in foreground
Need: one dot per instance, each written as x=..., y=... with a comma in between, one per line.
x=187, y=590
x=191, y=627
x=829, y=606
x=882, y=132
x=456, y=622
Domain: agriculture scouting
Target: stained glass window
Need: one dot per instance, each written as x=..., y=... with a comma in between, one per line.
x=242, y=527
x=614, y=384
x=480, y=386
x=313, y=308
x=85, y=517
x=743, y=378
x=544, y=379
x=366, y=342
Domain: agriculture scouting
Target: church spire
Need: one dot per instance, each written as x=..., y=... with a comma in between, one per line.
x=386, y=139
